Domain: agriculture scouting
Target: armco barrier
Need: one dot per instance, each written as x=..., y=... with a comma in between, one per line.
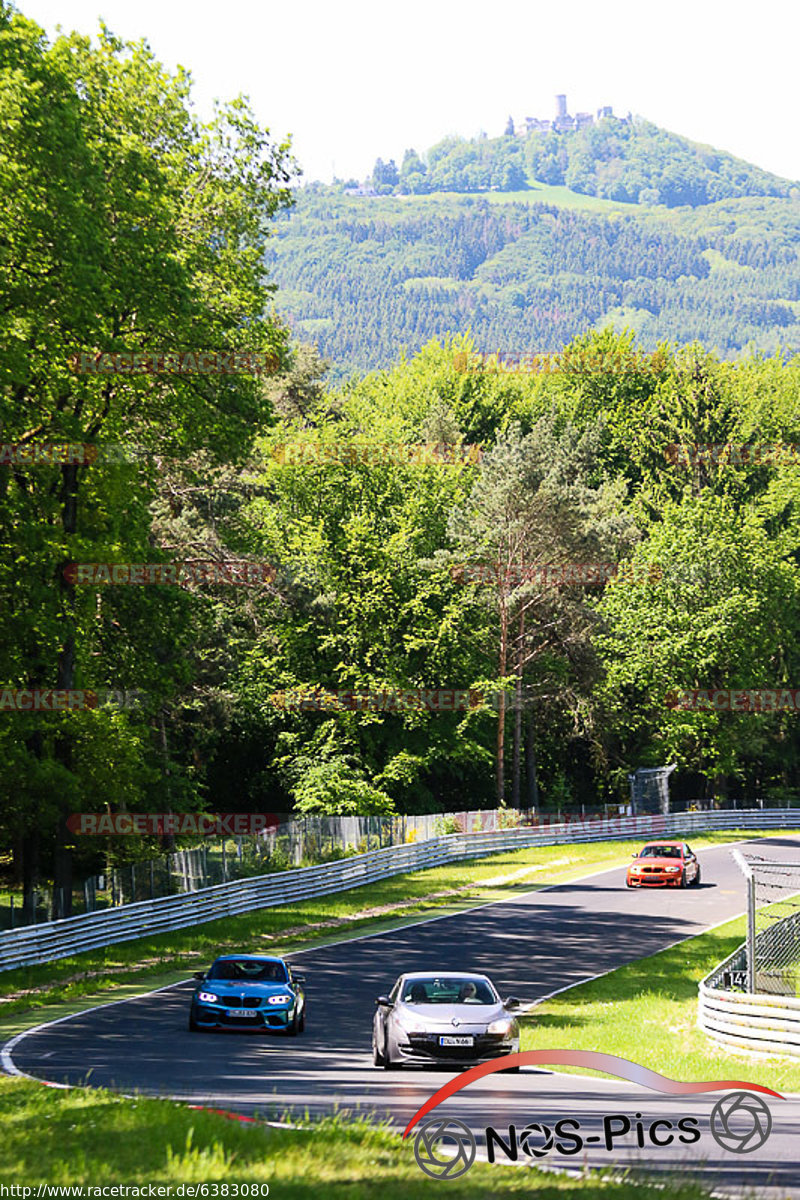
x=59, y=939
x=759, y=1022
x=762, y=1022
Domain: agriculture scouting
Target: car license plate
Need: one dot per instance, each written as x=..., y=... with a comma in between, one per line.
x=456, y=1041
x=242, y=1012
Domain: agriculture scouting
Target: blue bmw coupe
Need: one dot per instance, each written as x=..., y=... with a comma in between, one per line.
x=248, y=991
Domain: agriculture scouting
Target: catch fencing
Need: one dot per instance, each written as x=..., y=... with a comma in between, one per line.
x=775, y=926
x=295, y=842
x=752, y=1000
x=71, y=935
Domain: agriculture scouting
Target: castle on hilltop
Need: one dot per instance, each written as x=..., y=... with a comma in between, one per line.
x=563, y=122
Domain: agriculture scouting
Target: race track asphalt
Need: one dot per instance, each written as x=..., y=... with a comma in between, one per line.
x=530, y=946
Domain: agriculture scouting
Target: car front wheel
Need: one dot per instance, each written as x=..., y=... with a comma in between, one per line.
x=683, y=879
x=697, y=878
x=388, y=1065
x=193, y=1026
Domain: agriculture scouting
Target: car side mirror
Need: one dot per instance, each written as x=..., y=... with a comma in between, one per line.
x=298, y=977
x=199, y=975
x=511, y=1002
x=634, y=855
x=383, y=1002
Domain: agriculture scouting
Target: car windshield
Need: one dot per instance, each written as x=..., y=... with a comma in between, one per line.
x=661, y=852
x=255, y=970
x=448, y=990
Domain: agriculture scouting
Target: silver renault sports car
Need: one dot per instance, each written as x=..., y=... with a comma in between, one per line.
x=457, y=1019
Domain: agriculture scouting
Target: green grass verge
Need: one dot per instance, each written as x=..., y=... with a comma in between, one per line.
x=153, y=962
x=647, y=1012
x=94, y=1138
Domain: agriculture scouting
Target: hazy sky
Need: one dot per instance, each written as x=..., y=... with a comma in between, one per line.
x=352, y=81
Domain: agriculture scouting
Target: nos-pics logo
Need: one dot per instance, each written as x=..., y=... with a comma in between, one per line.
x=445, y=1148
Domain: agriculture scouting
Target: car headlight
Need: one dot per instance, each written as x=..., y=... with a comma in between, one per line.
x=502, y=1026
x=284, y=998
x=207, y=997
x=672, y=870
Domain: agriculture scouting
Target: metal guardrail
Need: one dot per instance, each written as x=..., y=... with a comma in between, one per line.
x=758, y=1022
x=146, y=918
x=731, y=1011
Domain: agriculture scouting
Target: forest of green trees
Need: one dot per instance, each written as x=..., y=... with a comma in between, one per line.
x=128, y=227
x=364, y=278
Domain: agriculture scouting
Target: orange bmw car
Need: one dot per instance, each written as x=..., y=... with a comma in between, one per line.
x=664, y=864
